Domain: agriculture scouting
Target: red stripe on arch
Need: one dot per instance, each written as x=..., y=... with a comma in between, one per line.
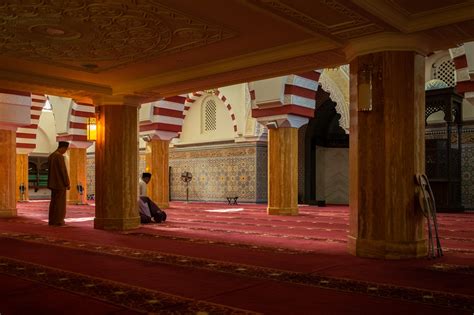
x=161, y=127
x=26, y=145
x=176, y=99
x=287, y=109
x=77, y=125
x=460, y=62
x=167, y=112
x=24, y=135
x=71, y=138
x=300, y=91
x=252, y=95
x=311, y=75
x=78, y=113
x=465, y=86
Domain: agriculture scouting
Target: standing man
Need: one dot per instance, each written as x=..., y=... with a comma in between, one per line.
x=58, y=182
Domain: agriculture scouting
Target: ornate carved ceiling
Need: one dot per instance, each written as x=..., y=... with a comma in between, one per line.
x=155, y=48
x=101, y=35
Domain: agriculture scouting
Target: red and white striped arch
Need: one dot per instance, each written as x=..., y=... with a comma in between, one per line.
x=76, y=133
x=463, y=58
x=291, y=102
x=193, y=97
x=26, y=135
x=162, y=119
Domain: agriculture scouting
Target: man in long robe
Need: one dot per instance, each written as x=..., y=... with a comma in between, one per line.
x=58, y=182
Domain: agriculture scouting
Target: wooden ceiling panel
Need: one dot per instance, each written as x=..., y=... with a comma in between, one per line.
x=411, y=7
x=339, y=20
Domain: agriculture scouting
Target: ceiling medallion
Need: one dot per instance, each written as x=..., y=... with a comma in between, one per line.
x=54, y=31
x=105, y=33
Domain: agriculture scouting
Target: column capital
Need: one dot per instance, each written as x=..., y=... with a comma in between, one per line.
x=387, y=42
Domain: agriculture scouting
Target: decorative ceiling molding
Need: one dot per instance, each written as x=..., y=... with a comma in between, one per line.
x=94, y=36
x=354, y=25
x=400, y=16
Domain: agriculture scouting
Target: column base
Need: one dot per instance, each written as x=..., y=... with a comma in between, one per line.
x=282, y=211
x=8, y=213
x=116, y=224
x=387, y=250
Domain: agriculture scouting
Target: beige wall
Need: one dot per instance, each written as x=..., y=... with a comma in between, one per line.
x=235, y=95
x=192, y=128
x=46, y=138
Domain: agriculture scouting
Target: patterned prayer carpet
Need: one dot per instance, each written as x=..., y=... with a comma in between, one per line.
x=213, y=258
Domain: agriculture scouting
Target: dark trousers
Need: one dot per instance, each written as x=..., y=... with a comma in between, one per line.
x=57, y=207
x=155, y=211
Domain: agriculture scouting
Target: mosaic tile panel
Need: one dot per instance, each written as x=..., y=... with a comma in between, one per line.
x=218, y=172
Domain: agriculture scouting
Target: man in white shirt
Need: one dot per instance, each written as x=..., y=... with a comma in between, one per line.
x=142, y=184
x=146, y=206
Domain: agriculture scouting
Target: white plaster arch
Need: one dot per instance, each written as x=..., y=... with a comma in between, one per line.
x=337, y=96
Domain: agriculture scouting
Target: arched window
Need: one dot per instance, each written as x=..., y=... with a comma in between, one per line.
x=444, y=71
x=209, y=115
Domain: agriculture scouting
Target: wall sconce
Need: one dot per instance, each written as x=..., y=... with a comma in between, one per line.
x=364, y=89
x=91, y=129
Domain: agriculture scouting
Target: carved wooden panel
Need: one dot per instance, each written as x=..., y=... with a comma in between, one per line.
x=99, y=35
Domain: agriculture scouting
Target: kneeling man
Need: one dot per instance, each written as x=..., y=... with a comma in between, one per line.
x=147, y=207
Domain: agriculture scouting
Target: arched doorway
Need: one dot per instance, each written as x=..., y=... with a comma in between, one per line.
x=318, y=139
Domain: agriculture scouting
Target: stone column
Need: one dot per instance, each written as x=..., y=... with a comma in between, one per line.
x=386, y=151
x=77, y=174
x=7, y=172
x=116, y=160
x=283, y=171
x=157, y=164
x=21, y=175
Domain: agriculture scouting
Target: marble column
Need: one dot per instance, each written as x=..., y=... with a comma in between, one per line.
x=386, y=151
x=283, y=171
x=8, y=172
x=77, y=175
x=116, y=160
x=21, y=176
x=157, y=164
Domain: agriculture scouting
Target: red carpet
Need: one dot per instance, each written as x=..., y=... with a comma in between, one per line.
x=227, y=262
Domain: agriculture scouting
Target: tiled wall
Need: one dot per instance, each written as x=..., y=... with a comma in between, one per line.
x=220, y=171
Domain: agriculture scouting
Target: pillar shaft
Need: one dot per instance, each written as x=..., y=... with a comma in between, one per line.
x=157, y=164
x=386, y=151
x=21, y=176
x=116, y=173
x=7, y=173
x=283, y=171
x=77, y=174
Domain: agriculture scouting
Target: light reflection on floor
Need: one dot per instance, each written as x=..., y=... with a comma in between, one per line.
x=69, y=220
x=226, y=210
